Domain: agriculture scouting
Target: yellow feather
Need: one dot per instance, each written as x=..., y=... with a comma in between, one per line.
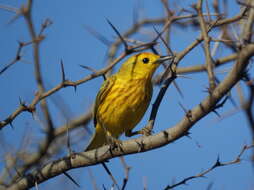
x=124, y=98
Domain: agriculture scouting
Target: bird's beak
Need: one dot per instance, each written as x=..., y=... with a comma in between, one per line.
x=164, y=58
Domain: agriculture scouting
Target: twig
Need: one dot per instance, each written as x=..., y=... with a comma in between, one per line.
x=26, y=12
x=17, y=57
x=160, y=96
x=248, y=27
x=110, y=175
x=126, y=47
x=204, y=31
x=217, y=164
x=39, y=97
x=92, y=179
x=126, y=171
x=151, y=142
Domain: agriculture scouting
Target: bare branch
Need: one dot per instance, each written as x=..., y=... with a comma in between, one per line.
x=217, y=164
x=151, y=142
x=204, y=31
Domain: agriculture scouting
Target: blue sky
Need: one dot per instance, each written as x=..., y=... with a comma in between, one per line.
x=68, y=40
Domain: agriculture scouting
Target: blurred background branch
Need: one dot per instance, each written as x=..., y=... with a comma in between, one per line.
x=207, y=41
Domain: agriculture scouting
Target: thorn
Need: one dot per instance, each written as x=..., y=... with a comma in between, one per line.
x=18, y=57
x=44, y=25
x=92, y=70
x=168, y=70
x=219, y=105
x=104, y=77
x=33, y=114
x=187, y=112
x=21, y=44
x=245, y=75
x=185, y=182
x=165, y=134
x=195, y=141
x=5, y=68
x=187, y=134
x=11, y=124
x=238, y=160
x=9, y=9
x=110, y=174
x=178, y=89
x=106, y=168
x=154, y=50
x=75, y=88
x=141, y=146
x=217, y=163
x=206, y=90
x=62, y=70
x=183, y=76
x=71, y=178
x=229, y=95
x=216, y=113
x=233, y=101
x=21, y=102
x=88, y=68
x=126, y=47
x=183, y=108
x=135, y=14
x=189, y=115
x=98, y=36
x=162, y=39
x=222, y=103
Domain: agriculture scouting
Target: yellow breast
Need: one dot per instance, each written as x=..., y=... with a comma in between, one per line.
x=125, y=105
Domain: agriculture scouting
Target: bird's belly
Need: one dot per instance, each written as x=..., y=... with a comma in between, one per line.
x=124, y=107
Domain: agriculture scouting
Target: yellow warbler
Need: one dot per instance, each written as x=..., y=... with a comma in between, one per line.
x=124, y=98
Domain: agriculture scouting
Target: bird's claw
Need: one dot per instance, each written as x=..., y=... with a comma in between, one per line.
x=114, y=143
x=146, y=131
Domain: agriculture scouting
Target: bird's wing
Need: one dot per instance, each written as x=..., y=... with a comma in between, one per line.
x=104, y=90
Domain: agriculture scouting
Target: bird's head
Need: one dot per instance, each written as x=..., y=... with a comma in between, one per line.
x=142, y=65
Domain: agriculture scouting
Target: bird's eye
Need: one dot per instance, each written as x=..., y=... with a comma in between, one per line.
x=145, y=60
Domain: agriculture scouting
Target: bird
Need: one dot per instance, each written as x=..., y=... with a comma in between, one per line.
x=124, y=98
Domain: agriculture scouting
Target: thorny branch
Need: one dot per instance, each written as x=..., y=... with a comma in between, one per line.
x=217, y=164
x=144, y=143
x=66, y=83
x=34, y=170
x=112, y=53
x=17, y=57
x=26, y=12
x=204, y=31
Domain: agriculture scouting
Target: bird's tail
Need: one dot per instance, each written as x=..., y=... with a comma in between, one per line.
x=99, y=138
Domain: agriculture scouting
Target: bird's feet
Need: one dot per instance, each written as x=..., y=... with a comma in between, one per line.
x=113, y=142
x=147, y=131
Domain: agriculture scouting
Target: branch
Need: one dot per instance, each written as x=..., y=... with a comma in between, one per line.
x=204, y=31
x=67, y=83
x=174, y=19
x=26, y=12
x=141, y=144
x=201, y=67
x=217, y=164
x=17, y=57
